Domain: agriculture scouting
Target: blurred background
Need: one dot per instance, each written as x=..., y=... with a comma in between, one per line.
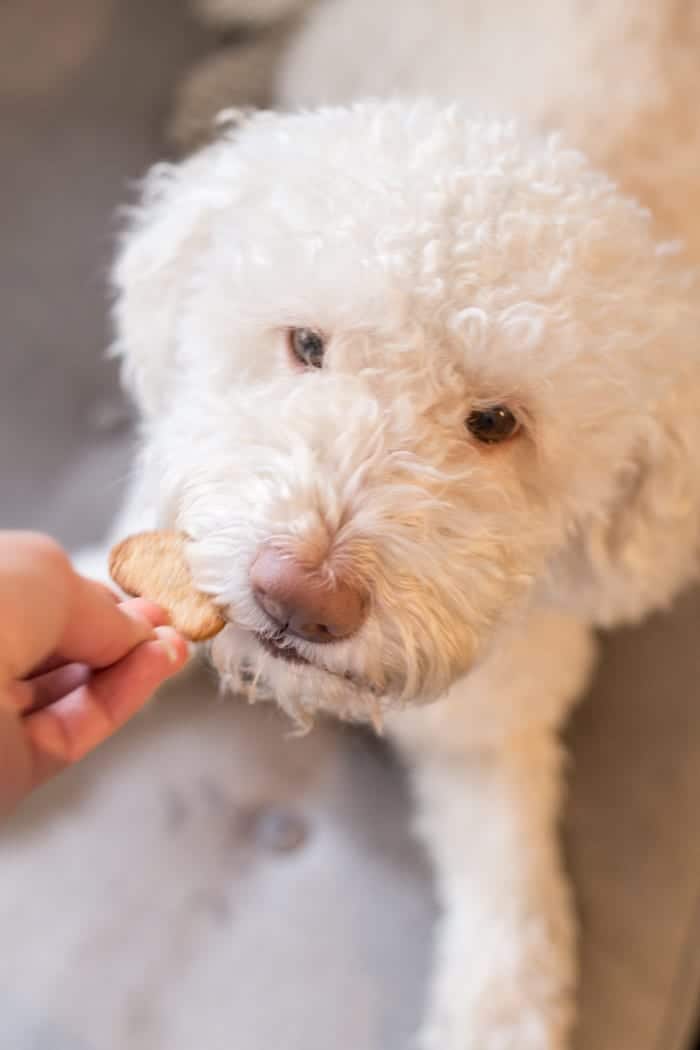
x=206, y=881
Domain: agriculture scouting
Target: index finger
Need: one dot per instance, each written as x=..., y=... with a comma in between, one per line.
x=46, y=607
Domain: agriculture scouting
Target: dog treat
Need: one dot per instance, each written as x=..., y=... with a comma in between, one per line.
x=152, y=565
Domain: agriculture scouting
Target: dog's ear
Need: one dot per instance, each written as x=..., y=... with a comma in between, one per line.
x=158, y=254
x=646, y=547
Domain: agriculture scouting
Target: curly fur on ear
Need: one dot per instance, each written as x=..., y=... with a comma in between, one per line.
x=637, y=556
x=165, y=234
x=150, y=278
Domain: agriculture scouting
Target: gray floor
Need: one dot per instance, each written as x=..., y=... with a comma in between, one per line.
x=336, y=945
x=75, y=137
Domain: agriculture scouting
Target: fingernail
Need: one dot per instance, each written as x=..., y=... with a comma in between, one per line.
x=167, y=639
x=150, y=611
x=137, y=617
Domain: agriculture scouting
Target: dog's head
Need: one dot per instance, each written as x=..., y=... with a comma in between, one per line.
x=401, y=372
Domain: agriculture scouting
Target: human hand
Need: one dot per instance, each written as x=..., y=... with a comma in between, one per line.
x=75, y=663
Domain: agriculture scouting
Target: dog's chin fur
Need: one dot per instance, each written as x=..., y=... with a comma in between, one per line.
x=302, y=688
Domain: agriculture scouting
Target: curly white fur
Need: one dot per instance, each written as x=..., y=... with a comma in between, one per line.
x=453, y=262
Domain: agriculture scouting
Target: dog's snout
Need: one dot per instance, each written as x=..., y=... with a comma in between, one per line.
x=302, y=603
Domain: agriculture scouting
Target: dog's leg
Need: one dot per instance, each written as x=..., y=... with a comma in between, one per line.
x=488, y=808
x=506, y=960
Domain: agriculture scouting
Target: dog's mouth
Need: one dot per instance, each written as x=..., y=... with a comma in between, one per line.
x=280, y=647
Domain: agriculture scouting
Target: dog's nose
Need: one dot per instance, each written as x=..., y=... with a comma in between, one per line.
x=303, y=604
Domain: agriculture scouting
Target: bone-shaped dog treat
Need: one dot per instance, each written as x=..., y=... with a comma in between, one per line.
x=153, y=565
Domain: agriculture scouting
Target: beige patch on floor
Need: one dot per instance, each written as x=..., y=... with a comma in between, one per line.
x=50, y=40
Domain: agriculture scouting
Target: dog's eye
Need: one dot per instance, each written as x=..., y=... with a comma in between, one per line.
x=491, y=425
x=308, y=346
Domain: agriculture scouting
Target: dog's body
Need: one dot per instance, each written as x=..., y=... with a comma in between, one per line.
x=457, y=270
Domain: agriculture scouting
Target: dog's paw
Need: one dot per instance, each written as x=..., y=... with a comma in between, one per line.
x=533, y=1033
x=500, y=1017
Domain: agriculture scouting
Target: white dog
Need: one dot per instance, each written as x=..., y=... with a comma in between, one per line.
x=422, y=385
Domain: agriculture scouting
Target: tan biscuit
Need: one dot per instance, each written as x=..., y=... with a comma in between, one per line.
x=153, y=565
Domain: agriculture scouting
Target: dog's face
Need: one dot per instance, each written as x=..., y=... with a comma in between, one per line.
x=400, y=372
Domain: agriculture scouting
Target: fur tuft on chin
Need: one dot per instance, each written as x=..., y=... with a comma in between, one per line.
x=302, y=690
